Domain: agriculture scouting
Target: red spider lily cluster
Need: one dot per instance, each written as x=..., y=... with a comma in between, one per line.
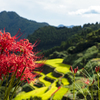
x=16, y=56
x=75, y=70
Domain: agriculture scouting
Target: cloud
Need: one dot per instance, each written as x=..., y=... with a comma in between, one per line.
x=89, y=11
x=92, y=12
x=52, y=6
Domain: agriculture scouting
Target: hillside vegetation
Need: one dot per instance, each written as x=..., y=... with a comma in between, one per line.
x=51, y=36
x=11, y=21
x=77, y=42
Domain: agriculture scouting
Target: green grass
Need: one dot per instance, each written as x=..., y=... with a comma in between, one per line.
x=60, y=93
x=33, y=93
x=57, y=63
x=64, y=81
x=63, y=70
x=53, y=62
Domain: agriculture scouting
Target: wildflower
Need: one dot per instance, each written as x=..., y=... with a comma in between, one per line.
x=97, y=68
x=75, y=69
x=87, y=82
x=71, y=69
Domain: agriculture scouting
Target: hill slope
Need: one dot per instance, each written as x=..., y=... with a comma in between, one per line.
x=51, y=36
x=12, y=22
x=87, y=37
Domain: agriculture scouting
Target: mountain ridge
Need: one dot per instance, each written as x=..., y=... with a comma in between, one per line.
x=11, y=21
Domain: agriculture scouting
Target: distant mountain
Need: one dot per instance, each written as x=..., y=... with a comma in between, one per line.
x=11, y=21
x=71, y=26
x=61, y=25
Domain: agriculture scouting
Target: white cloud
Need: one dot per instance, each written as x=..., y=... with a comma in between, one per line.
x=54, y=6
x=92, y=10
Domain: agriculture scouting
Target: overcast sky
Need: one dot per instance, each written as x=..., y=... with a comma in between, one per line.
x=55, y=12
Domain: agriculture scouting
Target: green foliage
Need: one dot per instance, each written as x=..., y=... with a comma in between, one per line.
x=82, y=58
x=2, y=92
x=51, y=36
x=90, y=66
x=71, y=49
x=70, y=59
x=57, y=54
x=83, y=92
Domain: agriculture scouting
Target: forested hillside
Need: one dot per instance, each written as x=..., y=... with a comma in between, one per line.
x=87, y=37
x=12, y=22
x=51, y=36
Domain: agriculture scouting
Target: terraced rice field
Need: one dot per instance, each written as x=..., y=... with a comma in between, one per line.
x=49, y=87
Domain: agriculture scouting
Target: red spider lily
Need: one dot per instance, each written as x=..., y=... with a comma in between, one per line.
x=17, y=56
x=71, y=69
x=97, y=68
x=75, y=70
x=87, y=82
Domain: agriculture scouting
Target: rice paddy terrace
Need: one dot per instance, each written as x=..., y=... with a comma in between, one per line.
x=51, y=83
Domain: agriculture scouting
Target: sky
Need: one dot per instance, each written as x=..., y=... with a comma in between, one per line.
x=55, y=12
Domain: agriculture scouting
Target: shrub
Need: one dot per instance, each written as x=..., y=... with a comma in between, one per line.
x=57, y=54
